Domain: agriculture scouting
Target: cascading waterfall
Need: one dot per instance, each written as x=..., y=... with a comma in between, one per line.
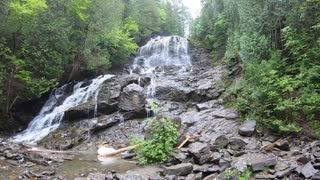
x=151, y=60
x=156, y=55
x=52, y=112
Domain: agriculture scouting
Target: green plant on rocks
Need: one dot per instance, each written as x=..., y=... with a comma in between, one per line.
x=160, y=146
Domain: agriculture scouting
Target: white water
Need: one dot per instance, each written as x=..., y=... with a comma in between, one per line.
x=158, y=53
x=162, y=51
x=52, y=112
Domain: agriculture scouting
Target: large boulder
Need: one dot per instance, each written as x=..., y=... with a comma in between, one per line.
x=132, y=98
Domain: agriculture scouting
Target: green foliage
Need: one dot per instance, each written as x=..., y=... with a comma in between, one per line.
x=278, y=45
x=232, y=173
x=46, y=42
x=161, y=146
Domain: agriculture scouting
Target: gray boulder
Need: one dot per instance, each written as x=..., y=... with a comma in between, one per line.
x=132, y=98
x=178, y=170
x=248, y=128
x=201, y=152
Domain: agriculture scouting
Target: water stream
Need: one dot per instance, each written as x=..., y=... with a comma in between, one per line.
x=52, y=112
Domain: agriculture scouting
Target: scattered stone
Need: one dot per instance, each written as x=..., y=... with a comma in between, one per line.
x=270, y=138
x=178, y=170
x=308, y=170
x=304, y=158
x=180, y=156
x=260, y=164
x=248, y=128
x=215, y=157
x=237, y=144
x=282, y=145
x=221, y=142
x=201, y=152
x=284, y=173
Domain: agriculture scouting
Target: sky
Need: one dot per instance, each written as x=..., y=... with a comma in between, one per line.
x=194, y=6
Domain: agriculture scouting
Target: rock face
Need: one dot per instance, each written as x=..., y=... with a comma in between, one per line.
x=248, y=128
x=132, y=98
x=192, y=100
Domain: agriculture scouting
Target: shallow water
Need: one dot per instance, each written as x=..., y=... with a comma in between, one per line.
x=88, y=162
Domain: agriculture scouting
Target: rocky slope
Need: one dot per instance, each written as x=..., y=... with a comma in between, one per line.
x=224, y=149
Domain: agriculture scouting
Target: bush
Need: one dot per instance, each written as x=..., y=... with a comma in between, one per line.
x=161, y=145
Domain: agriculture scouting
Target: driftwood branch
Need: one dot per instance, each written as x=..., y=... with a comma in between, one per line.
x=119, y=151
x=189, y=138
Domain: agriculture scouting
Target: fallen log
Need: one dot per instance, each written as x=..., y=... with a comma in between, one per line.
x=119, y=151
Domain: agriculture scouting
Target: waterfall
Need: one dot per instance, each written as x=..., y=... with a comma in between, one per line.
x=156, y=56
x=151, y=60
x=162, y=51
x=52, y=112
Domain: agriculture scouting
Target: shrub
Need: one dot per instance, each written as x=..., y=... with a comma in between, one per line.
x=161, y=145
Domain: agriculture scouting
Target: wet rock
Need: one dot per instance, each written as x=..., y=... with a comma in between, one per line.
x=221, y=142
x=178, y=170
x=308, y=170
x=237, y=144
x=128, y=155
x=282, y=145
x=132, y=98
x=80, y=112
x=201, y=152
x=172, y=91
x=248, y=128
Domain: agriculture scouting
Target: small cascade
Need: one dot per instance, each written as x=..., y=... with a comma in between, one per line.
x=60, y=101
x=156, y=57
